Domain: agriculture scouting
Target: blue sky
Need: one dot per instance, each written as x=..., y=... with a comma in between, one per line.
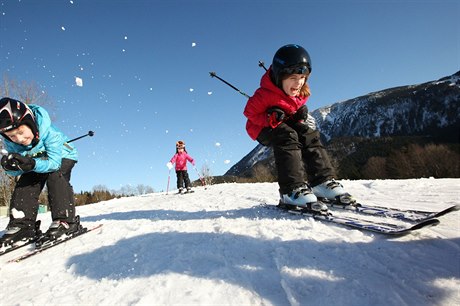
x=145, y=69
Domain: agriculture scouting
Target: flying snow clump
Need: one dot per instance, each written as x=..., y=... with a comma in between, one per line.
x=78, y=81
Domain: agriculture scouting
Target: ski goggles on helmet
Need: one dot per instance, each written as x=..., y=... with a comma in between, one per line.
x=297, y=69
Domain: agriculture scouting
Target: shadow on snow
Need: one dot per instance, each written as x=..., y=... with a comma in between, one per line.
x=382, y=272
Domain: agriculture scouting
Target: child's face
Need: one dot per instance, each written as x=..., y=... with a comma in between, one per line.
x=22, y=135
x=293, y=83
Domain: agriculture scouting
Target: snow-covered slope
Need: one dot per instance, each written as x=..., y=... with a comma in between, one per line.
x=221, y=247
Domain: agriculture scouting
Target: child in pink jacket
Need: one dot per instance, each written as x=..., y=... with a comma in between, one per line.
x=180, y=159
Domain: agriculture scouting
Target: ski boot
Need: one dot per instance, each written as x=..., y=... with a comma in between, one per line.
x=333, y=191
x=15, y=234
x=181, y=190
x=302, y=197
x=59, y=228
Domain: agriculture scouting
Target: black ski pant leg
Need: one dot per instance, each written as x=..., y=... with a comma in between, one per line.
x=186, y=179
x=288, y=156
x=180, y=178
x=316, y=159
x=24, y=201
x=60, y=192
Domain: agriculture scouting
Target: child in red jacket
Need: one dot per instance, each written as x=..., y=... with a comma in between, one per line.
x=180, y=159
x=278, y=117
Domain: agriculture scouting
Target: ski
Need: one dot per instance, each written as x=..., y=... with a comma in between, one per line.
x=361, y=224
x=8, y=249
x=52, y=243
x=409, y=215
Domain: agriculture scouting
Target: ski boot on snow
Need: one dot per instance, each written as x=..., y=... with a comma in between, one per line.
x=59, y=228
x=189, y=190
x=16, y=234
x=332, y=191
x=181, y=190
x=302, y=197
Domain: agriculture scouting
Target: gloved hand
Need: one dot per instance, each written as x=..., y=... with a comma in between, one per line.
x=301, y=114
x=7, y=164
x=169, y=165
x=15, y=162
x=275, y=116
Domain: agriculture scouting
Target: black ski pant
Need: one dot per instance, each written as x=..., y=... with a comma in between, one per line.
x=182, y=177
x=299, y=155
x=24, y=201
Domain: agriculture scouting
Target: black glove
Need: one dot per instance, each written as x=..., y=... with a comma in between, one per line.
x=7, y=164
x=275, y=116
x=301, y=114
x=15, y=162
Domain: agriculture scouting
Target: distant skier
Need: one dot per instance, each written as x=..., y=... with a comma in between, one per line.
x=278, y=117
x=180, y=159
x=37, y=154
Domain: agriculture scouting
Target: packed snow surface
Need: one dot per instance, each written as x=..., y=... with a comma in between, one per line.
x=220, y=246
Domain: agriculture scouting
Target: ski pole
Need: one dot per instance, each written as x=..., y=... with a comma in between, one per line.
x=201, y=179
x=90, y=134
x=262, y=64
x=169, y=176
x=214, y=75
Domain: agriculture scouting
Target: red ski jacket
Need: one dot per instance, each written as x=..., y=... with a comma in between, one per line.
x=180, y=159
x=266, y=96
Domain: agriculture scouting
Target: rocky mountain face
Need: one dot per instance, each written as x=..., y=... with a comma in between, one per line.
x=430, y=109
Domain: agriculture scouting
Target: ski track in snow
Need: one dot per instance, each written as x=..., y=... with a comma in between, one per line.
x=219, y=246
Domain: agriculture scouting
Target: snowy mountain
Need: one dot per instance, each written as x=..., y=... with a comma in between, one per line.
x=424, y=109
x=429, y=109
x=220, y=246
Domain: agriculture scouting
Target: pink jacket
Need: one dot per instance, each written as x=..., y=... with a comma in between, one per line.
x=180, y=159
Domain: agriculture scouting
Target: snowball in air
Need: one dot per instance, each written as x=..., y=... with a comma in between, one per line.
x=217, y=144
x=209, y=92
x=227, y=161
x=78, y=81
x=193, y=44
x=191, y=89
x=63, y=28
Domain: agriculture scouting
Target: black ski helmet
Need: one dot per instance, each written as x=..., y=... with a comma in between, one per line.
x=14, y=113
x=290, y=59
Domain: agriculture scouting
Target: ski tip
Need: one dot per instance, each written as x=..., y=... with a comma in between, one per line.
x=429, y=222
